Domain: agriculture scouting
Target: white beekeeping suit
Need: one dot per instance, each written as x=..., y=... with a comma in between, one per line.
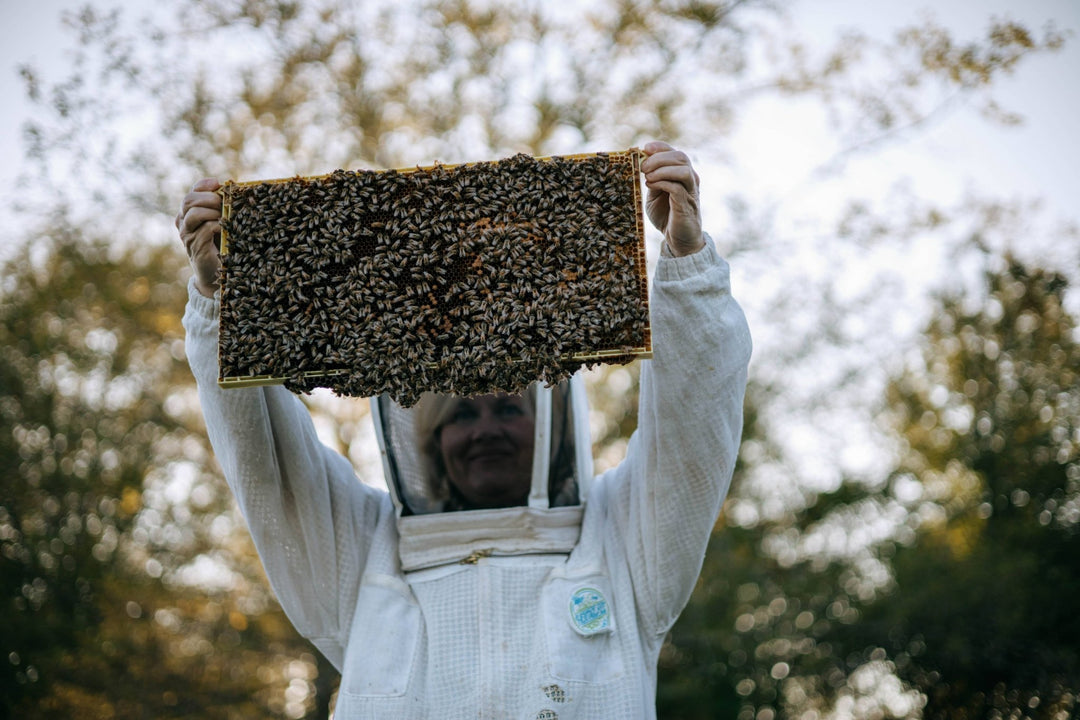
x=537, y=612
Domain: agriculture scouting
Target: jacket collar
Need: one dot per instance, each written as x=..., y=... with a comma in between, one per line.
x=429, y=536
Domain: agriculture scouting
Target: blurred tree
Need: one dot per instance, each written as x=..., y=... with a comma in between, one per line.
x=984, y=614
x=749, y=643
x=273, y=88
x=270, y=89
x=129, y=588
x=969, y=598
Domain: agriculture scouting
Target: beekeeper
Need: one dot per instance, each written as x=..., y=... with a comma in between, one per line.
x=497, y=578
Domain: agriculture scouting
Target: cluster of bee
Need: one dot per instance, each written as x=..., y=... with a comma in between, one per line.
x=462, y=279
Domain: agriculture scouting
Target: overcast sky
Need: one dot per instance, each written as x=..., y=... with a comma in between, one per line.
x=771, y=156
x=774, y=150
x=1039, y=158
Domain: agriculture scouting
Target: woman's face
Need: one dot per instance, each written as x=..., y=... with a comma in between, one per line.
x=487, y=448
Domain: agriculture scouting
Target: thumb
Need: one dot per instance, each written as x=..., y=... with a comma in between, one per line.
x=206, y=185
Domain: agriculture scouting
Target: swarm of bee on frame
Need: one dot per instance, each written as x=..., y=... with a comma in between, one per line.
x=462, y=279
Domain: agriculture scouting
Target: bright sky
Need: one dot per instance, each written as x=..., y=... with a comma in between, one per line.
x=772, y=149
x=1040, y=158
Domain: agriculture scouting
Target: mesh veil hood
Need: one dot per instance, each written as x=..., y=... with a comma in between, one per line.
x=432, y=532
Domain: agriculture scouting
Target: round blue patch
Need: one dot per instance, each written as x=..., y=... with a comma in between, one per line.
x=589, y=611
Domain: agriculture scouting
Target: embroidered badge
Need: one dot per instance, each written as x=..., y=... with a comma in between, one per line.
x=589, y=611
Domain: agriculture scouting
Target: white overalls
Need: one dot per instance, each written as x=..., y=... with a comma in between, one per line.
x=530, y=613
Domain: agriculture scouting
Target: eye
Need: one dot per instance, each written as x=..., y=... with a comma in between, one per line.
x=464, y=412
x=509, y=410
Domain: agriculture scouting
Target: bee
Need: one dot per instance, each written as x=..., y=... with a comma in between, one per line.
x=483, y=276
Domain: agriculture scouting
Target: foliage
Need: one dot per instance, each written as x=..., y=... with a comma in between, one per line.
x=991, y=424
x=76, y=369
x=750, y=640
x=976, y=612
x=124, y=571
x=113, y=528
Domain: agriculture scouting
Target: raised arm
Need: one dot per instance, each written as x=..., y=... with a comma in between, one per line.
x=312, y=521
x=668, y=491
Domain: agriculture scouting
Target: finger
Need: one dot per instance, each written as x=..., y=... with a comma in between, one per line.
x=200, y=199
x=666, y=157
x=682, y=174
x=677, y=194
x=197, y=216
x=206, y=185
x=657, y=201
x=656, y=146
x=203, y=240
x=657, y=208
x=204, y=191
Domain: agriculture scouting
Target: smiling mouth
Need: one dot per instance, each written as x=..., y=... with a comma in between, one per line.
x=494, y=454
x=489, y=455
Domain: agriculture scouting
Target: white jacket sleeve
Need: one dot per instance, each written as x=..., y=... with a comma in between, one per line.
x=668, y=491
x=311, y=519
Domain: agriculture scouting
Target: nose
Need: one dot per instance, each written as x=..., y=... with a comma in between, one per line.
x=486, y=426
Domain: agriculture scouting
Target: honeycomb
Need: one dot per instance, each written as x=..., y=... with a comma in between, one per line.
x=463, y=279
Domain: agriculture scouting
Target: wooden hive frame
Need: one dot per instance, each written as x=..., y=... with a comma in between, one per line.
x=295, y=249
